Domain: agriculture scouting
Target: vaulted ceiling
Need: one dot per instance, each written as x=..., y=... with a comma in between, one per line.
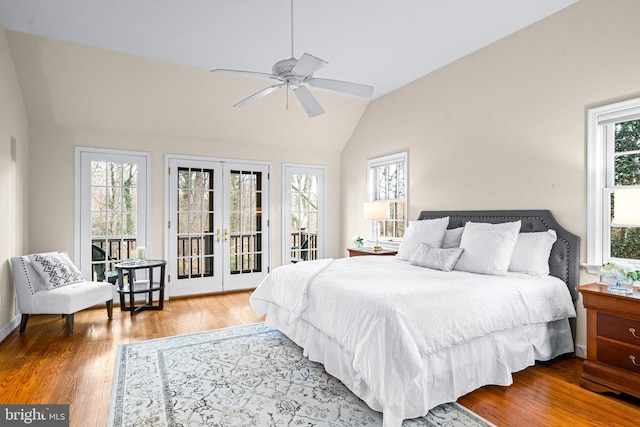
x=383, y=43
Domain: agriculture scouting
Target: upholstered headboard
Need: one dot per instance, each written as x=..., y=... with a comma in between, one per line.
x=564, y=261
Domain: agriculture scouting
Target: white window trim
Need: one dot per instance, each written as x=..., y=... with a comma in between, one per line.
x=371, y=191
x=597, y=186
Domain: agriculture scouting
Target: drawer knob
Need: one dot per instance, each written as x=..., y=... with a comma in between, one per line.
x=633, y=360
x=633, y=332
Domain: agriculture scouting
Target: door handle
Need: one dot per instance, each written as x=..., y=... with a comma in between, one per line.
x=218, y=235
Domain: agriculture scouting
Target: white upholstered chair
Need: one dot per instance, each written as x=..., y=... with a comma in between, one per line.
x=44, y=290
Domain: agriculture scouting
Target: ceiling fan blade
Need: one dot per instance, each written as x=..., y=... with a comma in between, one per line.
x=308, y=64
x=254, y=74
x=355, y=89
x=308, y=101
x=256, y=96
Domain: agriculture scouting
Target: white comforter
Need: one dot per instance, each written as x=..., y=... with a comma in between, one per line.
x=389, y=314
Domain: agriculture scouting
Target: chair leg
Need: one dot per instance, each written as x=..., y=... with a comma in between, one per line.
x=110, y=309
x=23, y=322
x=69, y=319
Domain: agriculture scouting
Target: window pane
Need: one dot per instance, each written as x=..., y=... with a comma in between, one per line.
x=627, y=169
x=627, y=136
x=625, y=242
x=390, y=185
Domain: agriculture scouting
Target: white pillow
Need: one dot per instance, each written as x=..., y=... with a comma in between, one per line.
x=436, y=258
x=487, y=247
x=531, y=254
x=452, y=238
x=55, y=269
x=429, y=231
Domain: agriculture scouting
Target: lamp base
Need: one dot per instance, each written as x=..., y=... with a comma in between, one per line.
x=377, y=248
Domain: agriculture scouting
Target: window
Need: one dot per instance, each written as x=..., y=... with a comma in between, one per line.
x=613, y=164
x=387, y=181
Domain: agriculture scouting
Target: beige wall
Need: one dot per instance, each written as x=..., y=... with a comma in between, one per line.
x=504, y=128
x=13, y=180
x=81, y=96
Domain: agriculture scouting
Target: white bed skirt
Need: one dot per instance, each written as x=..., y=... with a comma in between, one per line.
x=447, y=374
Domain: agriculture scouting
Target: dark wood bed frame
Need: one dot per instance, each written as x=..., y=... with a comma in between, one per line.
x=564, y=261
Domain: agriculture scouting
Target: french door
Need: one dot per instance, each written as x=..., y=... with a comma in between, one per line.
x=217, y=226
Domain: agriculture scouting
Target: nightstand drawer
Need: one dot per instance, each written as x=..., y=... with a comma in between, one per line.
x=619, y=355
x=619, y=329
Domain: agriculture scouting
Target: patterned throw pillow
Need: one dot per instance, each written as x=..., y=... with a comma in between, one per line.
x=56, y=269
x=436, y=258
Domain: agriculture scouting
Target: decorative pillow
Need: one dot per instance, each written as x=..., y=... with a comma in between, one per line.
x=452, y=238
x=531, y=254
x=429, y=231
x=436, y=258
x=56, y=269
x=487, y=247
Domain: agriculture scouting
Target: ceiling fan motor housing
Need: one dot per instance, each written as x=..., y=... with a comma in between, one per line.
x=284, y=68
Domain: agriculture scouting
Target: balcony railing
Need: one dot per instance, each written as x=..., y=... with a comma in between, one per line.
x=304, y=245
x=105, y=253
x=195, y=255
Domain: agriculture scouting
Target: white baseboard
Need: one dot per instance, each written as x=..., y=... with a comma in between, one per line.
x=581, y=351
x=9, y=327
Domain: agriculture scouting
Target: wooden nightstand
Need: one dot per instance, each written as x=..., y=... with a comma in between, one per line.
x=613, y=341
x=369, y=251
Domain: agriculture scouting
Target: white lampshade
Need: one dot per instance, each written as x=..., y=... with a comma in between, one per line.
x=376, y=210
x=626, y=209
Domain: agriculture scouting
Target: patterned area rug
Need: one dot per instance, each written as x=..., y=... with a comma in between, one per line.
x=242, y=376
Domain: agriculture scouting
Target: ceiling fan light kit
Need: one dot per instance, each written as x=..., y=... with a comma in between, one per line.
x=297, y=75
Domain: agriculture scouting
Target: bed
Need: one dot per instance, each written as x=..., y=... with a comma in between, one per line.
x=410, y=332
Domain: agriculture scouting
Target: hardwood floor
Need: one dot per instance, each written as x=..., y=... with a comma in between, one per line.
x=44, y=366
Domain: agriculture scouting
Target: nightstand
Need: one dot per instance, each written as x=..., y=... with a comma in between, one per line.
x=369, y=251
x=613, y=341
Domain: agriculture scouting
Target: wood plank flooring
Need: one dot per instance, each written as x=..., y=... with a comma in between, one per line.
x=45, y=366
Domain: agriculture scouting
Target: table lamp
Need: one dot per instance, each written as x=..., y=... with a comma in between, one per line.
x=375, y=211
x=626, y=209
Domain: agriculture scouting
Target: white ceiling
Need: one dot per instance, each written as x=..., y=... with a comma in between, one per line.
x=383, y=43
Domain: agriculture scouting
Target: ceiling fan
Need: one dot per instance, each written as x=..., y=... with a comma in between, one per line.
x=297, y=74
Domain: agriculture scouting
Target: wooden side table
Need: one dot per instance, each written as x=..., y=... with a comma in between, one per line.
x=135, y=286
x=369, y=251
x=613, y=341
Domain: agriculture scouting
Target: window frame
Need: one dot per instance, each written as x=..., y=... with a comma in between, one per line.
x=600, y=146
x=372, y=165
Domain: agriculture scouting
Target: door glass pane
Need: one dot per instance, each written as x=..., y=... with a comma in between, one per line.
x=195, y=223
x=114, y=217
x=245, y=222
x=304, y=217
